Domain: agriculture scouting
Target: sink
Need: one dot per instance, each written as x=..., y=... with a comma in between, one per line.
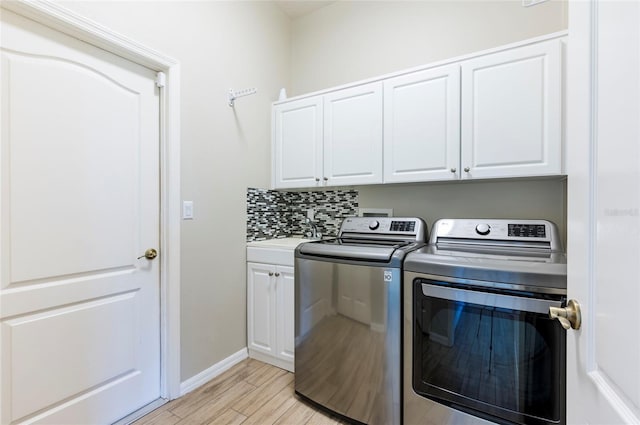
x=280, y=243
x=274, y=251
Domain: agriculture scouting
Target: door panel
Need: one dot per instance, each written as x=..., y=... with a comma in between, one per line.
x=261, y=316
x=100, y=362
x=511, y=112
x=353, y=135
x=297, y=148
x=285, y=313
x=86, y=237
x=79, y=161
x=422, y=126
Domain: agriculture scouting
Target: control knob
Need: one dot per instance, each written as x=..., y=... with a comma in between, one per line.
x=483, y=229
x=374, y=225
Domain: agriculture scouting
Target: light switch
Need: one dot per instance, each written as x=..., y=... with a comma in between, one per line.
x=187, y=210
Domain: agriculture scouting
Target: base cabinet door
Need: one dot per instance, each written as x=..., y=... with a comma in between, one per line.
x=512, y=112
x=285, y=313
x=270, y=314
x=261, y=304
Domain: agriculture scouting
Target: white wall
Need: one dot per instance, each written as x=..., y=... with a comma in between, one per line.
x=239, y=44
x=352, y=40
x=533, y=199
x=220, y=45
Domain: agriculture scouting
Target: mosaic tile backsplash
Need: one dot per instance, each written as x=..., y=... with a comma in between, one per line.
x=279, y=214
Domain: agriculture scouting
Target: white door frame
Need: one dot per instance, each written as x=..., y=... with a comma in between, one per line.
x=62, y=19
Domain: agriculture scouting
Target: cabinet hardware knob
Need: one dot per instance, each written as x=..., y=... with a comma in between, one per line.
x=453, y=170
x=467, y=169
x=277, y=274
x=317, y=179
x=270, y=273
x=326, y=178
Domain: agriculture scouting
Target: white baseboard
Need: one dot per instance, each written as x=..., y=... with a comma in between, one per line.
x=282, y=364
x=210, y=373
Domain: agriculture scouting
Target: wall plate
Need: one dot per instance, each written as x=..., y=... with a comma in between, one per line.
x=187, y=210
x=375, y=212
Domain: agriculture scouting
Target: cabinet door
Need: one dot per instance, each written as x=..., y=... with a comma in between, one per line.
x=261, y=305
x=297, y=143
x=353, y=135
x=422, y=126
x=511, y=112
x=285, y=313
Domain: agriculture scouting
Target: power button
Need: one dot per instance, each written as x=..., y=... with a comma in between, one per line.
x=483, y=229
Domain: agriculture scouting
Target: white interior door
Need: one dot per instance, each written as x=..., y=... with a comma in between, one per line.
x=79, y=164
x=603, y=357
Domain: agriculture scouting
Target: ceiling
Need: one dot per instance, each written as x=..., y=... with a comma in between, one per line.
x=297, y=8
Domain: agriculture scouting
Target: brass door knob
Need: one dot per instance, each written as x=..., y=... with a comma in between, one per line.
x=569, y=316
x=149, y=254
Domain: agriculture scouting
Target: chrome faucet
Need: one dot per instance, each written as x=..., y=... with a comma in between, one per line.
x=313, y=234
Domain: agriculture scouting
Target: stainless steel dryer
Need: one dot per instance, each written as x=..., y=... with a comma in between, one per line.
x=478, y=341
x=348, y=318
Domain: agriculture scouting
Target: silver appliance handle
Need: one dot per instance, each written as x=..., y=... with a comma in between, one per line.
x=489, y=299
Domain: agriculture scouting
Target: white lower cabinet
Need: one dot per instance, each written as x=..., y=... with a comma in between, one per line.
x=270, y=314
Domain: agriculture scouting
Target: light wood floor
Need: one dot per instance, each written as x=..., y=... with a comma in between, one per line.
x=251, y=392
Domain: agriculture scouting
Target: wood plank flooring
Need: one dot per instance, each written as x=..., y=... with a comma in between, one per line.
x=249, y=393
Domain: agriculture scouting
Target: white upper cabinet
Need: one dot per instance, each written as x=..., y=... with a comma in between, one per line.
x=494, y=114
x=422, y=126
x=297, y=147
x=353, y=135
x=511, y=112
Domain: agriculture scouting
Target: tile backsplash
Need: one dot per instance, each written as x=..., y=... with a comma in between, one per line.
x=278, y=214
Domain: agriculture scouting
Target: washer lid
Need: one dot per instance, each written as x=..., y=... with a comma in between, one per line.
x=339, y=248
x=510, y=267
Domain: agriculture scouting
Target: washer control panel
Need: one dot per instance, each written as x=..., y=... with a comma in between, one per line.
x=496, y=230
x=405, y=226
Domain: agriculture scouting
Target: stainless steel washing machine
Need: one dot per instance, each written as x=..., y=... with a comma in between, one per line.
x=348, y=318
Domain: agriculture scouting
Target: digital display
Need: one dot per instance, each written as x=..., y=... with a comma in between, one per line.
x=403, y=226
x=528, y=230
